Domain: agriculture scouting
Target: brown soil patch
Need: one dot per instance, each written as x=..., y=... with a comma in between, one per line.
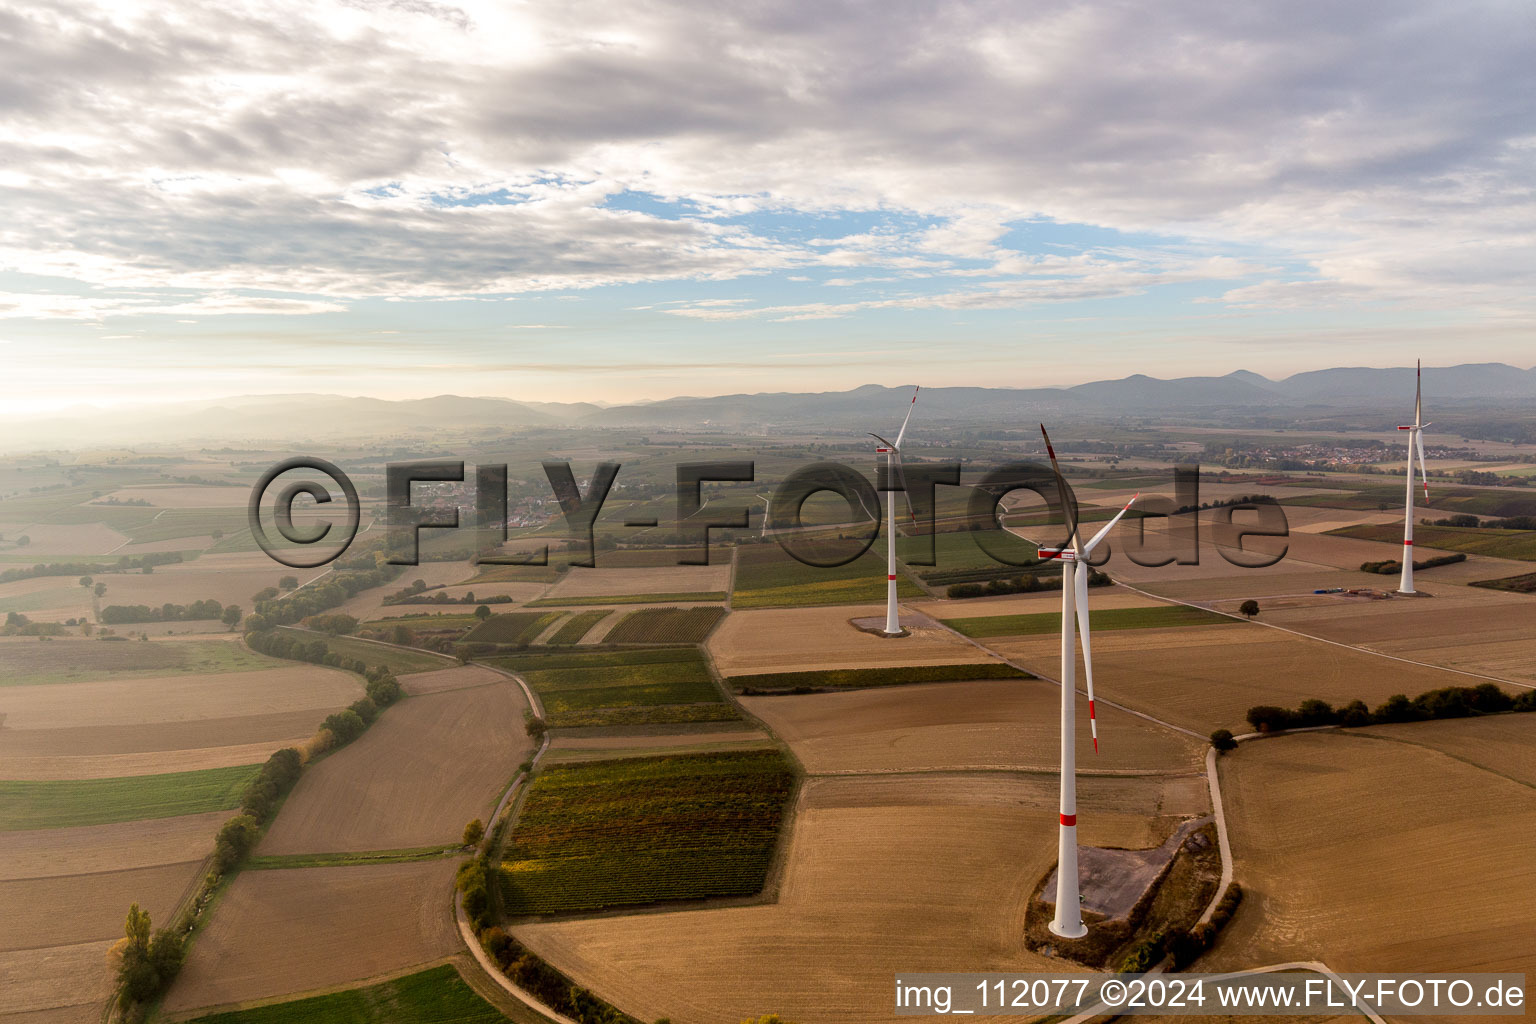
x=152, y=700
x=170, y=736
x=185, y=496
x=278, y=933
x=429, y=765
x=56, y=985
x=111, y=766
x=456, y=678
x=668, y=579
x=1010, y=723
x=1376, y=855
x=65, y=909
x=882, y=875
x=93, y=848
x=804, y=639
x=50, y=539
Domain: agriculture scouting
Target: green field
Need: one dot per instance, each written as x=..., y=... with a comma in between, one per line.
x=65, y=804
x=572, y=602
x=857, y=678
x=768, y=577
x=398, y=661
x=435, y=996
x=1156, y=617
x=1523, y=584
x=511, y=628
x=72, y=660
x=175, y=523
x=604, y=688
x=1495, y=543
x=577, y=626
x=665, y=626
x=1499, y=502
x=440, y=621
x=646, y=829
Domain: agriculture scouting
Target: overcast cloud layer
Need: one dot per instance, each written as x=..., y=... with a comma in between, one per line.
x=1292, y=159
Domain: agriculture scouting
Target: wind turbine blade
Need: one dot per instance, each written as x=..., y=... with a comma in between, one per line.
x=901, y=477
x=1082, y=631
x=1061, y=489
x=1088, y=548
x=1418, y=391
x=882, y=440
x=1418, y=436
x=903, y=432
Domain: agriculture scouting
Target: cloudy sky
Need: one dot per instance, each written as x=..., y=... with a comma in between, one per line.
x=606, y=201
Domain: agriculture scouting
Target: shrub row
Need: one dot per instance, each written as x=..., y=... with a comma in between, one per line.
x=844, y=678
x=1186, y=946
x=1392, y=566
x=1446, y=702
x=123, y=564
x=1026, y=584
x=117, y=614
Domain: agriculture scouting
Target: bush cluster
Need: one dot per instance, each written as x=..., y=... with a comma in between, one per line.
x=148, y=962
x=117, y=614
x=1446, y=702
x=272, y=783
x=1392, y=566
x=1186, y=946
x=1025, y=584
x=124, y=564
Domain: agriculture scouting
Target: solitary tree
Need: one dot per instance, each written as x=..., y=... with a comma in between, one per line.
x=483, y=612
x=231, y=616
x=1223, y=741
x=101, y=588
x=85, y=581
x=288, y=582
x=1249, y=607
x=474, y=832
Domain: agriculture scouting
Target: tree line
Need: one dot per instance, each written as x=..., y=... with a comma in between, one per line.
x=1446, y=702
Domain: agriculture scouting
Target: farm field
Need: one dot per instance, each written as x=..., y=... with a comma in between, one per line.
x=1311, y=807
x=767, y=577
x=806, y=639
x=68, y=803
x=437, y=995
x=184, y=495
x=280, y=932
x=399, y=660
x=881, y=873
x=573, y=629
x=428, y=765
x=569, y=747
x=1153, y=617
x=863, y=678
x=620, y=600
x=1038, y=603
x=1516, y=544
x=24, y=660
x=457, y=678
x=57, y=984
x=611, y=688
x=511, y=628
x=665, y=626
x=178, y=698
x=369, y=604
x=93, y=848
x=646, y=829
x=1211, y=675
x=31, y=767
x=670, y=578
x=1012, y=724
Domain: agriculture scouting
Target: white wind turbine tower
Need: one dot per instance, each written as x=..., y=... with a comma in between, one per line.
x=893, y=474
x=1415, y=441
x=1068, y=922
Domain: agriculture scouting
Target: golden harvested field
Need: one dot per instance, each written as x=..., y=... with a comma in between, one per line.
x=179, y=698
x=883, y=874
x=456, y=678
x=285, y=932
x=1378, y=855
x=111, y=766
x=56, y=984
x=665, y=579
x=427, y=766
x=210, y=576
x=1012, y=723
x=92, y=848
x=369, y=604
x=1502, y=744
x=1207, y=677
x=61, y=910
x=804, y=639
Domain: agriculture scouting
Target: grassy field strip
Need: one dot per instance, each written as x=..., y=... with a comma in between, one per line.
x=72, y=660
x=1108, y=618
x=713, y=596
x=435, y=996
x=511, y=628
x=641, y=830
x=768, y=577
x=65, y=804
x=400, y=660
x=325, y=860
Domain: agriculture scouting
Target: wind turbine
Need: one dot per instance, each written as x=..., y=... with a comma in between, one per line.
x=1074, y=556
x=1415, y=440
x=893, y=472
